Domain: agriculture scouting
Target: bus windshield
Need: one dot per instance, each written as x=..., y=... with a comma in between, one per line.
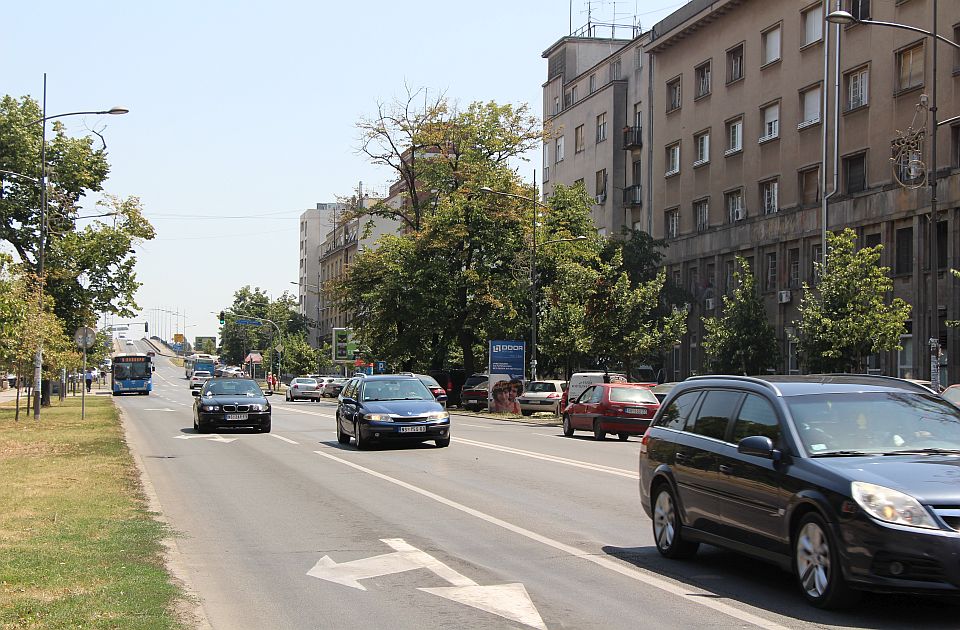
x=139, y=370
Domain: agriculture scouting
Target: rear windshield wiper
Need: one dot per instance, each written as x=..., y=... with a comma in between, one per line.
x=845, y=454
x=925, y=451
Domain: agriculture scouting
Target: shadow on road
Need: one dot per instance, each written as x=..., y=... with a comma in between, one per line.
x=383, y=446
x=741, y=579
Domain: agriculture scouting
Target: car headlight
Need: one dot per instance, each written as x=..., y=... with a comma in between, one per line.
x=258, y=407
x=211, y=407
x=379, y=417
x=438, y=415
x=891, y=506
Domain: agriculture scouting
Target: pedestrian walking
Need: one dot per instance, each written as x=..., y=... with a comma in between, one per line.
x=88, y=377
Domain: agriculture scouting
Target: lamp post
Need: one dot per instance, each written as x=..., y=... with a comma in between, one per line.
x=533, y=266
x=42, y=121
x=846, y=18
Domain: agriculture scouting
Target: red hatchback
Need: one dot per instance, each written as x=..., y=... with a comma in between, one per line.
x=622, y=408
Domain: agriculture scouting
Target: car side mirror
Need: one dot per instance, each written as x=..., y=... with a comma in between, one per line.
x=442, y=398
x=758, y=446
x=348, y=400
x=195, y=392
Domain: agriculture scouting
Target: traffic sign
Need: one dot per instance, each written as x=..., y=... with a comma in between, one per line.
x=178, y=337
x=248, y=322
x=381, y=367
x=85, y=337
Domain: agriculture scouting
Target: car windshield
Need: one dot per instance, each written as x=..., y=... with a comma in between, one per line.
x=473, y=381
x=396, y=389
x=875, y=422
x=541, y=387
x=632, y=395
x=952, y=394
x=232, y=387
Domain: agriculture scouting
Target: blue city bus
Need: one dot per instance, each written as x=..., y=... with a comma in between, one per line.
x=132, y=374
x=199, y=361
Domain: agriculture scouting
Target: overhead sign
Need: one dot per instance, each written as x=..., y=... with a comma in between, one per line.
x=344, y=348
x=248, y=322
x=178, y=337
x=510, y=601
x=201, y=342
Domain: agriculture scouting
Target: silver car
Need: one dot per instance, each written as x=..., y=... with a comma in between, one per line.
x=302, y=389
x=542, y=396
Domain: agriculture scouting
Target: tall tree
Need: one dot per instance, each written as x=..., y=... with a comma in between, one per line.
x=741, y=340
x=846, y=317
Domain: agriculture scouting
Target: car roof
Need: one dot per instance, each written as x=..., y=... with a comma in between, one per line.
x=797, y=385
x=388, y=377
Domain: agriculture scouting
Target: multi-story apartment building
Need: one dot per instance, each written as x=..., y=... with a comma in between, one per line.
x=741, y=135
x=314, y=225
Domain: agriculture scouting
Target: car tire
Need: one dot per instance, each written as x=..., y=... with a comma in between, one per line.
x=816, y=565
x=623, y=437
x=567, y=427
x=358, y=436
x=442, y=442
x=667, y=531
x=598, y=433
x=526, y=412
x=203, y=427
x=342, y=438
x=265, y=426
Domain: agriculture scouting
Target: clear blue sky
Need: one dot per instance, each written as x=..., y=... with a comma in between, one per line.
x=242, y=114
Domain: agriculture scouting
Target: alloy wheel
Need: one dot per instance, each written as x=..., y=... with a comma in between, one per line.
x=664, y=518
x=813, y=560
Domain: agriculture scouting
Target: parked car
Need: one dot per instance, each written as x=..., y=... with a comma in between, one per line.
x=542, y=396
x=451, y=380
x=431, y=383
x=199, y=377
x=231, y=402
x=333, y=389
x=302, y=388
x=622, y=408
x=388, y=408
x=474, y=397
x=661, y=390
x=322, y=382
x=842, y=480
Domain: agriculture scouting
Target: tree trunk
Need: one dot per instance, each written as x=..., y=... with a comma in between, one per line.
x=465, y=339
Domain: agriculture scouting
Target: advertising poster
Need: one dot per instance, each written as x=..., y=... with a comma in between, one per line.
x=344, y=348
x=506, y=370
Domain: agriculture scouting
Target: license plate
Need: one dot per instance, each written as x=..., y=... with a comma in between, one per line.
x=417, y=429
x=546, y=402
x=236, y=416
x=642, y=411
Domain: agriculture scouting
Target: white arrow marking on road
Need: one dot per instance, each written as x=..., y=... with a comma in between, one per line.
x=213, y=438
x=506, y=600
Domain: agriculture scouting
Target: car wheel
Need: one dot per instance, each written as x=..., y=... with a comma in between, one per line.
x=816, y=565
x=358, y=436
x=526, y=412
x=623, y=437
x=342, y=438
x=265, y=426
x=666, y=526
x=203, y=427
x=598, y=433
x=442, y=442
x=567, y=429
x=195, y=427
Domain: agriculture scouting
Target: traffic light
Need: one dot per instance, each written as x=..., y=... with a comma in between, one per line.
x=223, y=318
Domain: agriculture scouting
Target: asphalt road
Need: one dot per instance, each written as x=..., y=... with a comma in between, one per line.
x=512, y=526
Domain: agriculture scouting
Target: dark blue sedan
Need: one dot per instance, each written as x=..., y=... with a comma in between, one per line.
x=390, y=408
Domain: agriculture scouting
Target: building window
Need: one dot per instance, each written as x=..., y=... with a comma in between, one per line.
x=578, y=138
x=701, y=143
x=905, y=357
x=904, y=250
x=771, y=281
x=941, y=245
x=600, y=185
x=810, y=102
x=735, y=64
x=855, y=173
x=728, y=276
x=956, y=51
x=955, y=145
x=615, y=69
x=793, y=366
x=593, y=83
x=573, y=95
x=559, y=155
x=734, y=136
x=908, y=164
x=546, y=162
x=770, y=45
x=601, y=127
x=702, y=79
x=771, y=122
x=638, y=58
x=735, y=208
x=910, y=67
x=701, y=210
x=671, y=223
x=793, y=281
x=768, y=196
x=672, y=160
x=673, y=94
x=856, y=83
x=860, y=9
x=812, y=24
x=556, y=104
x=810, y=186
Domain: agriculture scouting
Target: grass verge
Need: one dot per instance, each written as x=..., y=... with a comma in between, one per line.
x=78, y=547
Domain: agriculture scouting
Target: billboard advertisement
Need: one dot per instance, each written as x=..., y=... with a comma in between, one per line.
x=506, y=370
x=344, y=348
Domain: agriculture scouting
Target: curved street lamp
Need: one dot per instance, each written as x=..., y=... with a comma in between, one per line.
x=845, y=18
x=533, y=266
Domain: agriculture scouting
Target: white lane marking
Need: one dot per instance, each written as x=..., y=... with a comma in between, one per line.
x=476, y=426
x=211, y=437
x=287, y=440
x=689, y=593
x=610, y=470
x=506, y=600
x=171, y=410
x=309, y=413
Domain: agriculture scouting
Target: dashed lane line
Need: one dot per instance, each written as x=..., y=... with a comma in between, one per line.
x=610, y=470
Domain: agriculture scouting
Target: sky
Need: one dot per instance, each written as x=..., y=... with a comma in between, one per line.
x=243, y=114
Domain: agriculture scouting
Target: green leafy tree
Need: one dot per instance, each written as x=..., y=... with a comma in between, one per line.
x=742, y=340
x=846, y=317
x=237, y=340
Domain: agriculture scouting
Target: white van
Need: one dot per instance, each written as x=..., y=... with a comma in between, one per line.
x=580, y=381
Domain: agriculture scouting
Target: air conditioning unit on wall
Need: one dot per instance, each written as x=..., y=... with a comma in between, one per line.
x=784, y=297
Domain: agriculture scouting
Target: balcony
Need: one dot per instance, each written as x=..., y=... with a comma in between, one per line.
x=633, y=195
x=632, y=138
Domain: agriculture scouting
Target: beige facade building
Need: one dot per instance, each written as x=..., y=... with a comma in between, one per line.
x=315, y=223
x=742, y=160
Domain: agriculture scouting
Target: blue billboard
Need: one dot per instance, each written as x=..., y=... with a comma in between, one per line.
x=506, y=374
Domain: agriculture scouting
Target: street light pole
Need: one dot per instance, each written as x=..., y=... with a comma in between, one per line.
x=38, y=357
x=844, y=18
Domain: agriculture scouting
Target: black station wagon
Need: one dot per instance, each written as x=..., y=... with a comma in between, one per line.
x=850, y=482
